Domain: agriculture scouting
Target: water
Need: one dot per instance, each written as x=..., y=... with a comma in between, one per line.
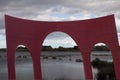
x=63, y=67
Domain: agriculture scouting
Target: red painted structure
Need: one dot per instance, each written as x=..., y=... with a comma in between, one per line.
x=85, y=33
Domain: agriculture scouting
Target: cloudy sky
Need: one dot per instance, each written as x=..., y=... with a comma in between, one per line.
x=57, y=10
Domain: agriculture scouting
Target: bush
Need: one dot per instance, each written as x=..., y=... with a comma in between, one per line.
x=105, y=69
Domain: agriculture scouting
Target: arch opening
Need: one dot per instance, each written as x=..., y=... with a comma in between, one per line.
x=102, y=62
x=60, y=58
x=23, y=64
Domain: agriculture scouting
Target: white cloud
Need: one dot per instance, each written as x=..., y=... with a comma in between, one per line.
x=47, y=18
x=65, y=42
x=2, y=31
x=117, y=24
x=2, y=44
x=57, y=39
x=2, y=41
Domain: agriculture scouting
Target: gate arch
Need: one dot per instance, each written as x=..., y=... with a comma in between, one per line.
x=62, y=66
x=104, y=54
x=23, y=56
x=85, y=33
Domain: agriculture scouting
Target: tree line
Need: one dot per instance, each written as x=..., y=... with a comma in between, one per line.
x=75, y=48
x=60, y=48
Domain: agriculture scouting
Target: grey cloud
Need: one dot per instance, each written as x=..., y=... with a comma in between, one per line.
x=71, y=6
x=32, y=8
x=22, y=4
x=80, y=5
x=2, y=23
x=101, y=6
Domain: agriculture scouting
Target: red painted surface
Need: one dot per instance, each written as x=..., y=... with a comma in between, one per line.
x=86, y=34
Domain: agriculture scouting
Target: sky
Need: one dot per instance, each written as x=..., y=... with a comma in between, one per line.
x=57, y=10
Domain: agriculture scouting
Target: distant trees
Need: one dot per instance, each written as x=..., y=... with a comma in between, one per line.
x=100, y=48
x=46, y=48
x=60, y=48
x=75, y=48
x=21, y=48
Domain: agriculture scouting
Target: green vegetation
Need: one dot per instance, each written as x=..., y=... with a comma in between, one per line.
x=105, y=69
x=100, y=48
x=3, y=49
x=60, y=48
x=75, y=48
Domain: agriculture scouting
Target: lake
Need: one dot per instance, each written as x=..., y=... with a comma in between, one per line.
x=55, y=65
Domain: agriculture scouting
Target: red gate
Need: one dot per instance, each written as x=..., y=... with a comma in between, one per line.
x=86, y=34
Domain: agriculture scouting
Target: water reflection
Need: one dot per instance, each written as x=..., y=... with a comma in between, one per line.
x=61, y=68
x=62, y=71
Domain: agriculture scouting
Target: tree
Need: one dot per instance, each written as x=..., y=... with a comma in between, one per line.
x=105, y=69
